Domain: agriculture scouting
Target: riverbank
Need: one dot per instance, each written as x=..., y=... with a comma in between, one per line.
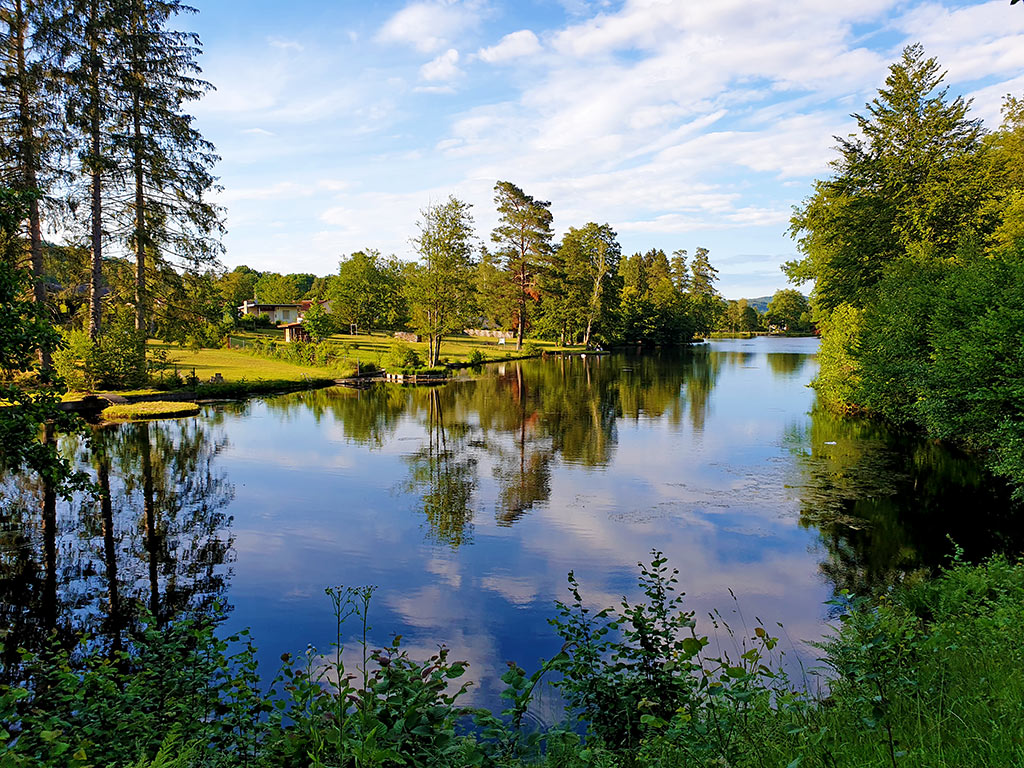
x=236, y=372
x=926, y=674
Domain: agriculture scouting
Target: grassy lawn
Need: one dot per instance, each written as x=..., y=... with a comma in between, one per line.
x=148, y=410
x=374, y=347
x=235, y=365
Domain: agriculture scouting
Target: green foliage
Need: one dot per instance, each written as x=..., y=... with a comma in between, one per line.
x=927, y=674
x=402, y=356
x=318, y=323
x=320, y=355
x=94, y=708
x=789, y=311
x=113, y=362
x=705, y=302
x=581, y=289
x=388, y=710
x=367, y=292
x=916, y=174
x=275, y=288
x=654, y=307
x=628, y=669
x=973, y=376
x=739, y=317
x=839, y=373
x=914, y=246
x=439, y=290
x=28, y=421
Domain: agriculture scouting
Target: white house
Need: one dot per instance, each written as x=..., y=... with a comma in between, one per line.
x=278, y=313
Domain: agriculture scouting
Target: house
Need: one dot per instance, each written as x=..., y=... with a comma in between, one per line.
x=306, y=304
x=278, y=313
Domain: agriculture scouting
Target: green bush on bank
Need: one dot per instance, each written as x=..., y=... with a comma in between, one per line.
x=927, y=674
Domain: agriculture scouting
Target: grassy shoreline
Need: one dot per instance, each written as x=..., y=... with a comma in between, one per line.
x=244, y=374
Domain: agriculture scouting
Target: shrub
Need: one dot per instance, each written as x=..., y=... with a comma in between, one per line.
x=72, y=362
x=403, y=357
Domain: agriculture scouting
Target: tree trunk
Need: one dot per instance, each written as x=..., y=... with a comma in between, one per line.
x=141, y=313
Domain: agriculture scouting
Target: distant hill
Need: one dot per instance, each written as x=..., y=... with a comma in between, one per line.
x=760, y=303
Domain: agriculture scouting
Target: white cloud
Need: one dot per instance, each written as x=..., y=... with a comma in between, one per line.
x=429, y=26
x=512, y=46
x=285, y=45
x=443, y=68
x=672, y=121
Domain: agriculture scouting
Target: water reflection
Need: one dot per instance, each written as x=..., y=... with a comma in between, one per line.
x=887, y=503
x=468, y=503
x=153, y=539
x=444, y=470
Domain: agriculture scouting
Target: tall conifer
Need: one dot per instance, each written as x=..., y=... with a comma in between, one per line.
x=29, y=124
x=163, y=212
x=523, y=236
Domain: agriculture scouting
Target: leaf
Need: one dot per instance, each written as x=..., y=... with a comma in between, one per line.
x=691, y=646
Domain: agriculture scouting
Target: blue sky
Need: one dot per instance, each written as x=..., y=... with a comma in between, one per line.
x=682, y=123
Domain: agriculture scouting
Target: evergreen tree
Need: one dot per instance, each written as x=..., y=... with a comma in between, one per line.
x=164, y=213
x=82, y=33
x=912, y=178
x=523, y=236
x=705, y=301
x=30, y=130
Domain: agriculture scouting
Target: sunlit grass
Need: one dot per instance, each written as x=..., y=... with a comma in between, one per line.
x=157, y=409
x=234, y=365
x=373, y=347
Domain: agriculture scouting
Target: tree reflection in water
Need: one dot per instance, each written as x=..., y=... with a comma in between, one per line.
x=521, y=417
x=887, y=504
x=154, y=538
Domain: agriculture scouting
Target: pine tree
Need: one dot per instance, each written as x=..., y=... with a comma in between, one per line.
x=523, y=236
x=164, y=213
x=30, y=130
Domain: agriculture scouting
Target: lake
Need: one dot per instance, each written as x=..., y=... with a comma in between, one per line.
x=467, y=505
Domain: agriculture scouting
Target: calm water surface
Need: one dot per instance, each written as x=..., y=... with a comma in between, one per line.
x=468, y=504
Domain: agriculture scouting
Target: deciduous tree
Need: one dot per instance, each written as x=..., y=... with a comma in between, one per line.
x=440, y=288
